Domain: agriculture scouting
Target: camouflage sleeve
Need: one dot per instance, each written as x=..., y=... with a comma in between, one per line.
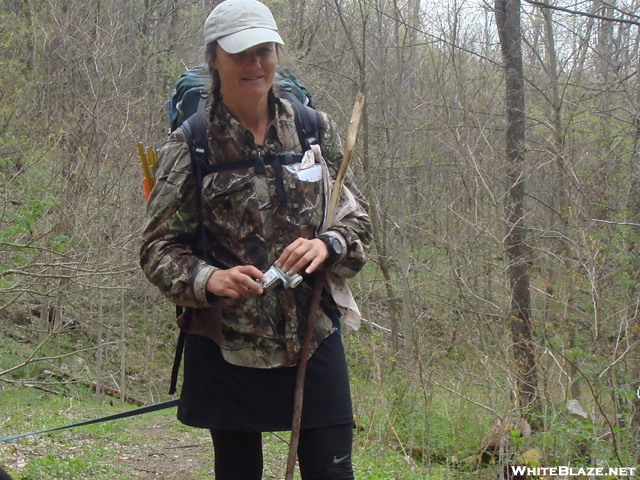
x=166, y=256
x=353, y=230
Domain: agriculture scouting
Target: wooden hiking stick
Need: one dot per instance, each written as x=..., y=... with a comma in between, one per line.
x=317, y=289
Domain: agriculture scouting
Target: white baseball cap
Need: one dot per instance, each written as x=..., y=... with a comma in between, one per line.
x=241, y=24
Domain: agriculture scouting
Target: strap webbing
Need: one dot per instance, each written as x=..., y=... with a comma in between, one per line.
x=177, y=357
x=129, y=413
x=259, y=164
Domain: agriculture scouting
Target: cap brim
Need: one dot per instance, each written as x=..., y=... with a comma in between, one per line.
x=250, y=37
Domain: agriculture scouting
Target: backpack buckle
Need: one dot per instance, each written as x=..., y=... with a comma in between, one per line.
x=260, y=167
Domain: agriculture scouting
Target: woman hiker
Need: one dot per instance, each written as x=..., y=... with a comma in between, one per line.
x=207, y=247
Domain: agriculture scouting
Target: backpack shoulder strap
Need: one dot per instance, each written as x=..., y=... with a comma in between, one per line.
x=195, y=132
x=306, y=120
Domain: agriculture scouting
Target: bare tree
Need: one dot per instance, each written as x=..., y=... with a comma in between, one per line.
x=508, y=20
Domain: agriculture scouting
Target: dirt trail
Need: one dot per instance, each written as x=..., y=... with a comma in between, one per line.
x=169, y=454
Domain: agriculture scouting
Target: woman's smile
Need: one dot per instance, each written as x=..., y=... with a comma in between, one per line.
x=247, y=75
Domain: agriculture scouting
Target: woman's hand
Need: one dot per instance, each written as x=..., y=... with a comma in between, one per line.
x=236, y=282
x=242, y=281
x=303, y=252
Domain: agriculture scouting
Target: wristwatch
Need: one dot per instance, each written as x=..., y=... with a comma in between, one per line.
x=334, y=246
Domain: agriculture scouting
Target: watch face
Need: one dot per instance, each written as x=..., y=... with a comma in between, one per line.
x=336, y=246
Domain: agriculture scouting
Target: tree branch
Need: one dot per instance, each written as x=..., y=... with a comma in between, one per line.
x=587, y=14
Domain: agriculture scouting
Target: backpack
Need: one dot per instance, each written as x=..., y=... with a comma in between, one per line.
x=191, y=89
x=186, y=107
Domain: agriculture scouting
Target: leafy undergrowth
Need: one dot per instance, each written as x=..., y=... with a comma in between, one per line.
x=150, y=446
x=412, y=424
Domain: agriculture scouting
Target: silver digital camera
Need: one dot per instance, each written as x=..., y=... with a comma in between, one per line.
x=275, y=276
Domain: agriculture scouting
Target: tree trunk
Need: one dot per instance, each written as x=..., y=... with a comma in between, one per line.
x=518, y=253
x=561, y=191
x=633, y=205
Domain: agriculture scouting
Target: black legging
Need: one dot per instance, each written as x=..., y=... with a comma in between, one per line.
x=323, y=454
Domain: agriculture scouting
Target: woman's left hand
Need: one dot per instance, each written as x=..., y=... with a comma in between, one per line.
x=303, y=252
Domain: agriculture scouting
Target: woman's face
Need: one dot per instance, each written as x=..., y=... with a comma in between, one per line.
x=248, y=74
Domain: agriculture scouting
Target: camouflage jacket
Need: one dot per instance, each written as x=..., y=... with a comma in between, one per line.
x=244, y=222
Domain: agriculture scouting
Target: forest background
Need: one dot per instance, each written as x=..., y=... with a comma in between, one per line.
x=499, y=150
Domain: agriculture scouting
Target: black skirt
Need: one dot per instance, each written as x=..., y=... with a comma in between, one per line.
x=221, y=396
